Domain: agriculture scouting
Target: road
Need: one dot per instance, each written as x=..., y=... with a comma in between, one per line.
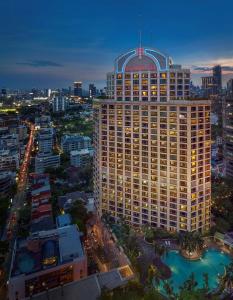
x=18, y=200
x=11, y=229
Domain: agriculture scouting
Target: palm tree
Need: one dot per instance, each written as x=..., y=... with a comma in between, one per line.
x=206, y=281
x=148, y=232
x=160, y=250
x=190, y=242
x=169, y=290
x=150, y=274
x=226, y=281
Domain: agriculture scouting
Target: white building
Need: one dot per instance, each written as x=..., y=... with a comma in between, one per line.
x=79, y=158
x=75, y=142
x=43, y=161
x=60, y=104
x=45, y=140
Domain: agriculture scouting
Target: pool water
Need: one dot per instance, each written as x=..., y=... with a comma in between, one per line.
x=212, y=262
x=25, y=263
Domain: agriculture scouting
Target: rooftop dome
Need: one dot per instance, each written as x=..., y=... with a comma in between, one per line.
x=142, y=59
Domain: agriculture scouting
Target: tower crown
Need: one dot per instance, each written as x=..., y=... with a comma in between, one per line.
x=142, y=59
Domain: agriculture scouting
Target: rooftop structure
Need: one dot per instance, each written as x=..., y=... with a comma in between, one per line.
x=46, y=258
x=79, y=158
x=90, y=288
x=75, y=142
x=63, y=220
x=43, y=161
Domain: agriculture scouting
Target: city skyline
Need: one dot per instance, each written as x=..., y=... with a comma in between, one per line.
x=48, y=45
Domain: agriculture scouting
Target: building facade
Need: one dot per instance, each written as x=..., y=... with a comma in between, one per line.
x=80, y=158
x=217, y=78
x=45, y=140
x=78, y=90
x=60, y=104
x=230, y=88
x=152, y=145
x=56, y=257
x=44, y=161
x=228, y=135
x=92, y=91
x=75, y=142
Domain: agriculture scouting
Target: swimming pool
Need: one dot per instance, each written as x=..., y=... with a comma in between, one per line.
x=25, y=263
x=212, y=262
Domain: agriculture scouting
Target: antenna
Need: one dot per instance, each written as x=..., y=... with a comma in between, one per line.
x=140, y=29
x=140, y=36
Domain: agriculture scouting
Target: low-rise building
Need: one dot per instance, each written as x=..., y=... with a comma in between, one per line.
x=43, y=161
x=63, y=220
x=9, y=161
x=80, y=158
x=46, y=260
x=90, y=288
x=75, y=142
x=6, y=181
x=42, y=121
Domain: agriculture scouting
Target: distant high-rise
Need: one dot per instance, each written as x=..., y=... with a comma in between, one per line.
x=60, y=104
x=207, y=86
x=78, y=92
x=3, y=92
x=92, y=90
x=152, y=145
x=212, y=85
x=230, y=88
x=228, y=130
x=217, y=79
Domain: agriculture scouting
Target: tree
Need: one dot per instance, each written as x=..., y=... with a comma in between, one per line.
x=148, y=232
x=190, y=242
x=151, y=274
x=79, y=214
x=226, y=281
x=167, y=285
x=206, y=282
x=160, y=250
x=4, y=247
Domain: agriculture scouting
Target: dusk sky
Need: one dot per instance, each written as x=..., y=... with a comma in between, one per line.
x=55, y=42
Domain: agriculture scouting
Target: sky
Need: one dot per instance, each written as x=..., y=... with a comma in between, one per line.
x=51, y=43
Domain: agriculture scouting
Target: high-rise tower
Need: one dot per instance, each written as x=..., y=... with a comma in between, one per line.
x=152, y=145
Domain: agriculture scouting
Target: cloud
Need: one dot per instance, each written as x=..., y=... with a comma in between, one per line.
x=40, y=63
x=203, y=69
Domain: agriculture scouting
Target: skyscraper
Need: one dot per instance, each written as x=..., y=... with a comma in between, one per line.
x=228, y=130
x=152, y=145
x=207, y=86
x=78, y=89
x=92, y=90
x=217, y=79
x=230, y=88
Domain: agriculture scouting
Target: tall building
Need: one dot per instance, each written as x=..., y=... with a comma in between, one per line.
x=207, y=86
x=152, y=145
x=78, y=92
x=228, y=135
x=60, y=104
x=230, y=87
x=212, y=85
x=217, y=79
x=45, y=140
x=92, y=90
